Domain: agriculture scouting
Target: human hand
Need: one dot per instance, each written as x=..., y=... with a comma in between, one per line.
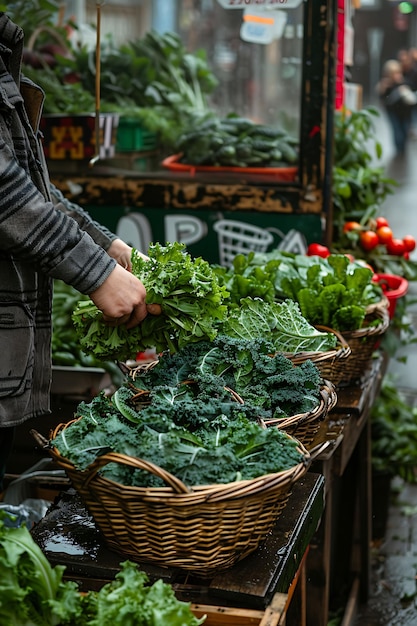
x=121, y=298
x=122, y=253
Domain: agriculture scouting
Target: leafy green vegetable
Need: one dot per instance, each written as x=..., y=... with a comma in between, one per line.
x=360, y=183
x=153, y=79
x=331, y=291
x=282, y=322
x=222, y=451
x=188, y=292
x=32, y=593
x=248, y=279
x=394, y=433
x=129, y=599
x=184, y=413
x=238, y=142
x=267, y=381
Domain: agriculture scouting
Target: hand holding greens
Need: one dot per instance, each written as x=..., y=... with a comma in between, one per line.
x=190, y=297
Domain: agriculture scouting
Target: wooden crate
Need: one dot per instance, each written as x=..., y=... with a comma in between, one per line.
x=273, y=615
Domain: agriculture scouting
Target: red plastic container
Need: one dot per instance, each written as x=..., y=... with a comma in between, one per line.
x=287, y=174
x=394, y=287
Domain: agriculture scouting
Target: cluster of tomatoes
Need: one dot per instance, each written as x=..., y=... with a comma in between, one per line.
x=379, y=233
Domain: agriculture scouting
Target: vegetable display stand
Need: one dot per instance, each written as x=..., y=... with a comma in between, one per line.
x=205, y=529
x=267, y=583
x=363, y=342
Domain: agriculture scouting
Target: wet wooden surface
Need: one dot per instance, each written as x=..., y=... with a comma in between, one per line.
x=68, y=536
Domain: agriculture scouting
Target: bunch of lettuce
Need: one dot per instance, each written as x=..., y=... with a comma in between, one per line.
x=190, y=297
x=33, y=593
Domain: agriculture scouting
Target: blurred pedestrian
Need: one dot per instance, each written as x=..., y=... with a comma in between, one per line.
x=398, y=100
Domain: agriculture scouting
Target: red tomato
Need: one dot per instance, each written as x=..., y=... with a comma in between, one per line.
x=351, y=226
x=406, y=256
x=396, y=247
x=409, y=243
x=381, y=221
x=384, y=234
x=316, y=249
x=369, y=239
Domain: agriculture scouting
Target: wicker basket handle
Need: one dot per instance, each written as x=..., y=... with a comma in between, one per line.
x=114, y=457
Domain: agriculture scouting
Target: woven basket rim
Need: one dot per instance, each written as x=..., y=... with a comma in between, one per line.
x=188, y=495
x=368, y=331
x=328, y=400
x=381, y=304
x=341, y=351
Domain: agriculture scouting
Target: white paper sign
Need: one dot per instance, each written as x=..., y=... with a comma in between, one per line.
x=260, y=26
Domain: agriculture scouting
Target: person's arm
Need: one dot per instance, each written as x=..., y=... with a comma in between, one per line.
x=32, y=230
x=115, y=247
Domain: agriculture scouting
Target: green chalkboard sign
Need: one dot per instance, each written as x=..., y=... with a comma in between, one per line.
x=216, y=236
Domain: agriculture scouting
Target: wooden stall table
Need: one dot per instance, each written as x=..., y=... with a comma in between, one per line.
x=339, y=560
x=264, y=582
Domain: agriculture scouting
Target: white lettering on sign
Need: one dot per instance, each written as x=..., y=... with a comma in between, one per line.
x=272, y=4
x=185, y=229
x=135, y=230
x=294, y=241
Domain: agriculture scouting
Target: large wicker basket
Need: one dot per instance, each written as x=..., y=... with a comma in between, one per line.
x=325, y=361
x=363, y=342
x=203, y=530
x=304, y=426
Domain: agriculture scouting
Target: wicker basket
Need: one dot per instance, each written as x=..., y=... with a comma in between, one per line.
x=305, y=426
x=363, y=343
x=381, y=304
x=203, y=530
x=325, y=361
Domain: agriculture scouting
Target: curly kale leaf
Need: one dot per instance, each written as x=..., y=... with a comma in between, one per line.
x=223, y=451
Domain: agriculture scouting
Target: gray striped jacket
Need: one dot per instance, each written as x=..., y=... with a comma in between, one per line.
x=42, y=236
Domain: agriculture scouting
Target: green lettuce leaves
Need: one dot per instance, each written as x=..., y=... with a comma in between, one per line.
x=33, y=593
x=190, y=297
